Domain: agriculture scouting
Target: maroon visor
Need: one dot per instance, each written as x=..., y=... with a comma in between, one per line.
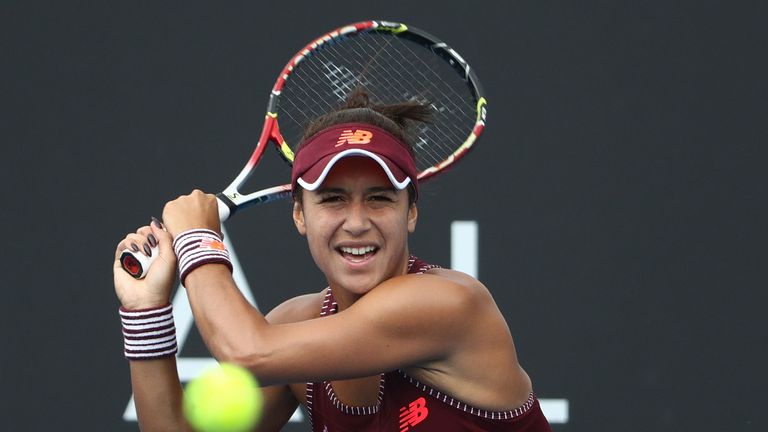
x=320, y=152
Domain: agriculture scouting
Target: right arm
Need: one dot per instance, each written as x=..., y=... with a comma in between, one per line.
x=158, y=392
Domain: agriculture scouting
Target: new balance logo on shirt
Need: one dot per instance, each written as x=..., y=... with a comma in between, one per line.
x=413, y=414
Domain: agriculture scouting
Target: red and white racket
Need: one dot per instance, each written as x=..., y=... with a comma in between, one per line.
x=393, y=63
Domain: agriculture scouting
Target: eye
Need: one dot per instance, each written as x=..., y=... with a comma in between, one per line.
x=331, y=198
x=381, y=198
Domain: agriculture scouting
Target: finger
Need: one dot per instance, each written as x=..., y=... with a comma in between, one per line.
x=130, y=242
x=162, y=238
x=160, y=234
x=151, y=239
x=143, y=230
x=137, y=243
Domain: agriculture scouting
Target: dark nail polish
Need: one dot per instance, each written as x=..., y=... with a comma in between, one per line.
x=157, y=222
x=152, y=240
x=147, y=250
x=134, y=247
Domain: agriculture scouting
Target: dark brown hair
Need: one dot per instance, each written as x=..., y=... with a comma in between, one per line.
x=396, y=119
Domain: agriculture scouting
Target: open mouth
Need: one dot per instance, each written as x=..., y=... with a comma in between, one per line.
x=357, y=254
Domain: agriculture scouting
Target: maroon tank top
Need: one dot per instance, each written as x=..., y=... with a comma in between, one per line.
x=404, y=404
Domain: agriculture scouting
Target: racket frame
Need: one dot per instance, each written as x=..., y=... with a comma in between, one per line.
x=232, y=200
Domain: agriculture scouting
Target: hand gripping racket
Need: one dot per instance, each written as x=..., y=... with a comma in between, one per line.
x=393, y=63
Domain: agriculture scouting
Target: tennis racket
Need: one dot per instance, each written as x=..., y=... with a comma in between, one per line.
x=393, y=63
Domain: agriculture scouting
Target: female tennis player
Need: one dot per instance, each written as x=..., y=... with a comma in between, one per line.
x=391, y=344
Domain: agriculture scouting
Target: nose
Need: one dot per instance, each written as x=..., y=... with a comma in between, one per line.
x=357, y=220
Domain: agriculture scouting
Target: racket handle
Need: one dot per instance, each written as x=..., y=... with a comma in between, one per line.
x=137, y=264
x=225, y=209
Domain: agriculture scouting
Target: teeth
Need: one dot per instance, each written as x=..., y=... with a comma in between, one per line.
x=357, y=251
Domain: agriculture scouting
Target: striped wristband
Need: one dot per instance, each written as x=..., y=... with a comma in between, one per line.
x=149, y=333
x=196, y=247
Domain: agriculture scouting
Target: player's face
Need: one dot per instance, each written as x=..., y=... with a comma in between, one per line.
x=357, y=225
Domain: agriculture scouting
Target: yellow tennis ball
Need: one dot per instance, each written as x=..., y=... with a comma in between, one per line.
x=223, y=398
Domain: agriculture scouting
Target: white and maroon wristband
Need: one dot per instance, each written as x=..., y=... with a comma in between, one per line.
x=197, y=247
x=149, y=333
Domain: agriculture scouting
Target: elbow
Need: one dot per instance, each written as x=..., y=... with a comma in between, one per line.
x=245, y=345
x=256, y=363
x=244, y=355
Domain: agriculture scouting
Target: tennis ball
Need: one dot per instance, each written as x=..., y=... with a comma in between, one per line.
x=223, y=398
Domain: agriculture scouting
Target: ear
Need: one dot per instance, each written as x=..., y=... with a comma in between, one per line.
x=413, y=214
x=298, y=218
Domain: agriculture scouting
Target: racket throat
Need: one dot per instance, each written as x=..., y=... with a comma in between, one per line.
x=227, y=207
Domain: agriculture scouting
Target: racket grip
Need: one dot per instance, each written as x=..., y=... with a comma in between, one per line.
x=226, y=207
x=136, y=263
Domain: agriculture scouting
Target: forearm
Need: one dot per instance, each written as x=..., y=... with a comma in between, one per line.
x=230, y=326
x=158, y=395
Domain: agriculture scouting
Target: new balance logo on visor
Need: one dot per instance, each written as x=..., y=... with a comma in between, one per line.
x=359, y=136
x=413, y=414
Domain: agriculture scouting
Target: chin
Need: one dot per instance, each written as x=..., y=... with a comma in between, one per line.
x=358, y=285
x=361, y=288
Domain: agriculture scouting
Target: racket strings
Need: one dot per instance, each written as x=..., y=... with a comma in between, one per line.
x=390, y=70
x=398, y=78
x=420, y=72
x=442, y=139
x=457, y=101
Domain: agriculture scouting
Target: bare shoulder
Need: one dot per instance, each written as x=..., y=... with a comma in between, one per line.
x=448, y=283
x=458, y=278
x=300, y=308
x=435, y=293
x=477, y=360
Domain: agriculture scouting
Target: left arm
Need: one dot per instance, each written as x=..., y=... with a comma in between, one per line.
x=405, y=321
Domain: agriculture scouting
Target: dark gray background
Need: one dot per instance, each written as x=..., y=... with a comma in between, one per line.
x=619, y=190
